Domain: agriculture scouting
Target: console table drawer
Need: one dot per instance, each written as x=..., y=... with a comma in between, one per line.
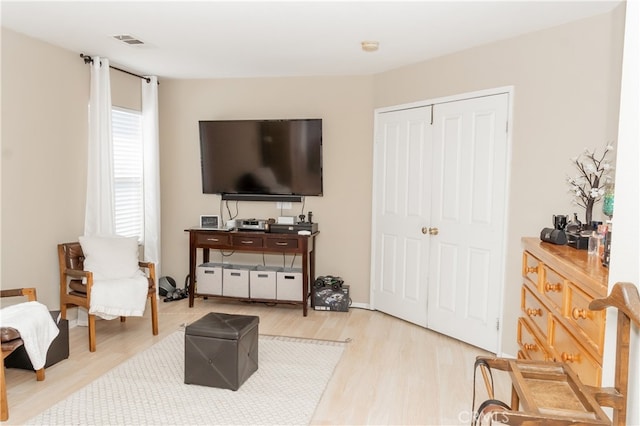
x=247, y=241
x=204, y=239
x=281, y=243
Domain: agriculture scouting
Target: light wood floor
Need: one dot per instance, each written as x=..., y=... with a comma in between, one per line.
x=392, y=372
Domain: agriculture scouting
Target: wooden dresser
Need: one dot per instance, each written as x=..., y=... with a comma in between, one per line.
x=556, y=323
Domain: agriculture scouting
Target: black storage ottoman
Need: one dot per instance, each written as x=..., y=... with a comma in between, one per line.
x=58, y=350
x=221, y=350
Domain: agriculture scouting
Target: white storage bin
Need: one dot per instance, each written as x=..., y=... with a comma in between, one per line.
x=209, y=279
x=289, y=285
x=235, y=281
x=262, y=282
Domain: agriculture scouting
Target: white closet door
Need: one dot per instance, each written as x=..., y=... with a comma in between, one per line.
x=400, y=251
x=439, y=203
x=468, y=208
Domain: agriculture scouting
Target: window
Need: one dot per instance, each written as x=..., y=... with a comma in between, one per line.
x=128, y=172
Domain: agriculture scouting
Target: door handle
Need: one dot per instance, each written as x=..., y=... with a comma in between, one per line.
x=430, y=231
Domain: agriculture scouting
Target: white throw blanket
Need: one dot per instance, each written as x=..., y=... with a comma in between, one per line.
x=125, y=297
x=37, y=329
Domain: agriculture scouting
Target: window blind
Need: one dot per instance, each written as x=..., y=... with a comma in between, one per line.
x=128, y=172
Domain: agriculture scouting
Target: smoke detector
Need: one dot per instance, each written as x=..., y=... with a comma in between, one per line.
x=370, y=46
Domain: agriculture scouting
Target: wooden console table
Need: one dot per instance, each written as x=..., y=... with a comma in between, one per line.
x=256, y=242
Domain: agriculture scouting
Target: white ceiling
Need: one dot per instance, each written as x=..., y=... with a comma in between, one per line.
x=216, y=39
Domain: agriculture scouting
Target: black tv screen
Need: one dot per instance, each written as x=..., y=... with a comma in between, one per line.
x=261, y=159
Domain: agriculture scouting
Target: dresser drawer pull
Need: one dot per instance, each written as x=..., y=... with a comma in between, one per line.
x=531, y=347
x=531, y=269
x=246, y=242
x=280, y=243
x=215, y=240
x=577, y=313
x=534, y=312
x=553, y=287
x=570, y=357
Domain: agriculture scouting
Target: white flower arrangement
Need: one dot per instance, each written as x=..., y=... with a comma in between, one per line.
x=595, y=173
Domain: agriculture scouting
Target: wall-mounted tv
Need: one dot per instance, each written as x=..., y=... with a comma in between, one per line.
x=256, y=160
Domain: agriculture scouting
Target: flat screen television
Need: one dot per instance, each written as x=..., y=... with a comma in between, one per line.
x=261, y=160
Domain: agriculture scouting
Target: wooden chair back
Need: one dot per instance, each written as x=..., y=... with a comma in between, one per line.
x=71, y=255
x=626, y=299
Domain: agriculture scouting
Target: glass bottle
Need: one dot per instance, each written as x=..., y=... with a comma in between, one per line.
x=594, y=239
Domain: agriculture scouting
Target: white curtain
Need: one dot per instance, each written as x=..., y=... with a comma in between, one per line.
x=150, y=136
x=100, y=211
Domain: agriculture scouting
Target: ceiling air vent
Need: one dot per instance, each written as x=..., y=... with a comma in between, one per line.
x=125, y=38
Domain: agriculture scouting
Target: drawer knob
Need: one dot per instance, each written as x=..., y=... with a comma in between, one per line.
x=577, y=313
x=553, y=287
x=531, y=269
x=534, y=312
x=531, y=347
x=570, y=357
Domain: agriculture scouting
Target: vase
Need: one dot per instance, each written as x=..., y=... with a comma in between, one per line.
x=588, y=212
x=607, y=203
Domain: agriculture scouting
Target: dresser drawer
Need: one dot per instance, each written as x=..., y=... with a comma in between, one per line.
x=553, y=288
x=567, y=349
x=533, y=309
x=204, y=239
x=246, y=241
x=531, y=267
x=589, y=323
x=282, y=243
x=531, y=347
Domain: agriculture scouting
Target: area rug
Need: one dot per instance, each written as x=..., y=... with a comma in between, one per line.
x=149, y=389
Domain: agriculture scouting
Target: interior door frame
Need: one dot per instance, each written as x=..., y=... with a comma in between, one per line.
x=509, y=90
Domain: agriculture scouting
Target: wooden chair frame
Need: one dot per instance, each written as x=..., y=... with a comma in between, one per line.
x=7, y=349
x=71, y=262
x=535, y=382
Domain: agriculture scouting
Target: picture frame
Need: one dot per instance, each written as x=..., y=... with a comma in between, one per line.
x=211, y=221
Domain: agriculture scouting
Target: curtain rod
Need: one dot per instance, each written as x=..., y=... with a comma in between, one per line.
x=89, y=60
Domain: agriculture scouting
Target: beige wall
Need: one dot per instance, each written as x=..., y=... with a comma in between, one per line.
x=44, y=126
x=566, y=84
x=566, y=88
x=343, y=213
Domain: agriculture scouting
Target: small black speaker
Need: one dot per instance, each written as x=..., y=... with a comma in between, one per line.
x=553, y=236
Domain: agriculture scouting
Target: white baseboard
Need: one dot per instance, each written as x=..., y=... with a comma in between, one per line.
x=361, y=306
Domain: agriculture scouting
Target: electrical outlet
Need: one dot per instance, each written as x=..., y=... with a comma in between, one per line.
x=286, y=205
